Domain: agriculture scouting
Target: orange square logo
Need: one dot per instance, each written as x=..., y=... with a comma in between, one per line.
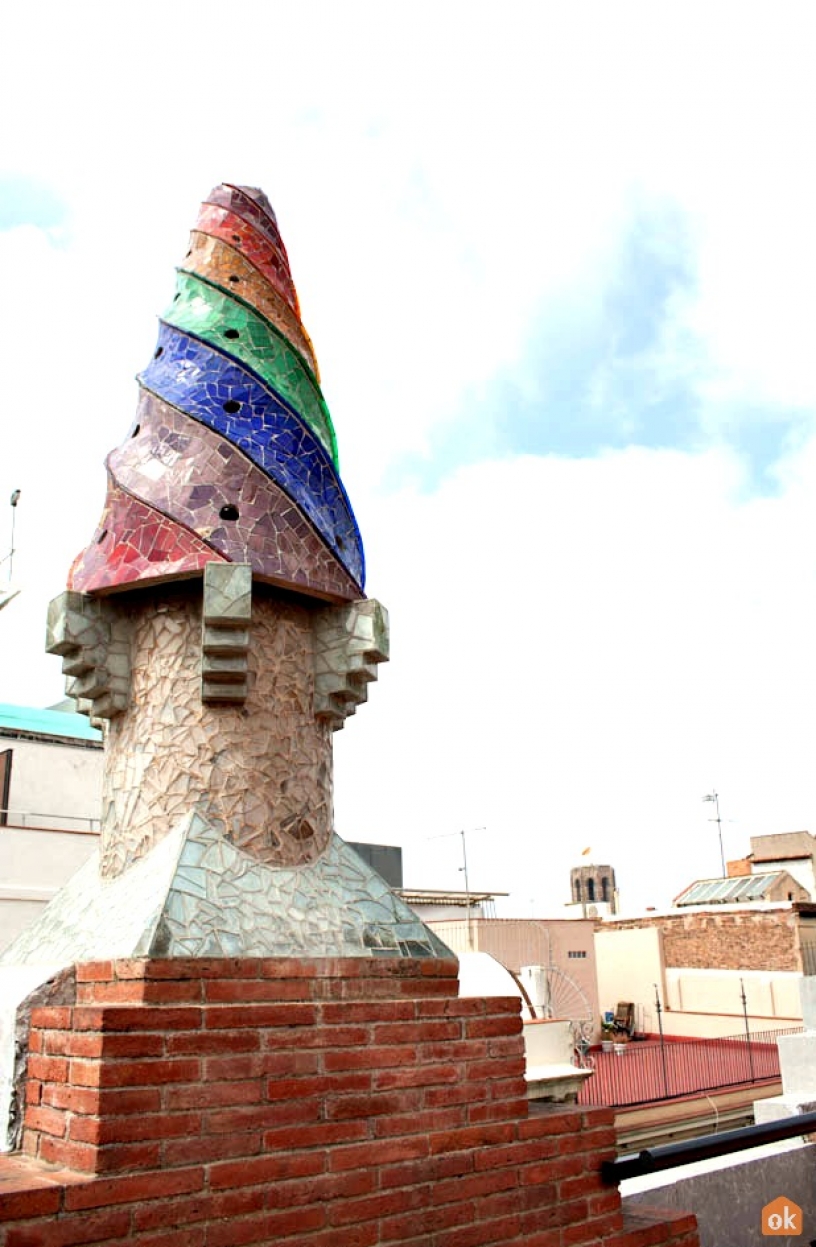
x=782, y=1216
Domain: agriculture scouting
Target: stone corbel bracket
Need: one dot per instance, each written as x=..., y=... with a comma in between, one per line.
x=91, y=639
x=350, y=641
x=226, y=617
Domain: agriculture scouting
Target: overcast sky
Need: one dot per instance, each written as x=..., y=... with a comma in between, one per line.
x=559, y=265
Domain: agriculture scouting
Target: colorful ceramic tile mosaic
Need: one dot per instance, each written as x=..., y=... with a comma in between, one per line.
x=134, y=542
x=249, y=430
x=221, y=265
x=268, y=260
x=235, y=329
x=255, y=209
x=221, y=394
x=184, y=468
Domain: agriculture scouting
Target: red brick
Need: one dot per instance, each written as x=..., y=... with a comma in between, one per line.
x=208, y=1043
x=255, y=991
x=76, y=1099
x=145, y=1018
x=262, y=1116
x=72, y=1043
x=135, y=1073
x=21, y=1205
x=266, y=1228
x=477, y=1186
x=95, y=972
x=127, y=1157
x=367, y=1011
x=34, y=1091
x=582, y=1184
x=503, y=1110
x=323, y=1084
x=107, y=1226
x=321, y=1134
x=213, y=1095
x=319, y=1037
x=50, y=1017
x=342, y=1107
x=498, y=1110
x=104, y=993
x=470, y=1136
x=548, y=1122
x=198, y=1151
x=463, y=1093
x=63, y=1152
x=492, y=1069
x=218, y=1017
x=606, y=1201
x=262, y=1169
x=416, y=1076
x=192, y=1236
x=172, y=992
x=48, y=1120
x=353, y=1236
x=485, y=1027
x=415, y=1032
x=426, y=1119
x=425, y=1221
x=134, y=1188
x=48, y=1068
x=346, y=1212
x=125, y=1100
x=368, y=1058
x=135, y=1128
x=586, y=1232
x=163, y=1213
x=378, y=1152
x=502, y=1230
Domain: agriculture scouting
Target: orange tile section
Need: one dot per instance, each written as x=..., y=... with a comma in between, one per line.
x=217, y=262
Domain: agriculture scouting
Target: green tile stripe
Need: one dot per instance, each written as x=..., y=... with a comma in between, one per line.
x=209, y=314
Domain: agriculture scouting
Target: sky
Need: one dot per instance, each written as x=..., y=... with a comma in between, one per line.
x=559, y=266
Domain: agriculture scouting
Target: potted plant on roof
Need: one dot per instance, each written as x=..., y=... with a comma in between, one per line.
x=607, y=1034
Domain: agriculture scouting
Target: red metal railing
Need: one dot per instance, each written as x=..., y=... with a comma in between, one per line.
x=648, y=1070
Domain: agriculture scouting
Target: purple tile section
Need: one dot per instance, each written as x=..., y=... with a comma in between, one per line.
x=189, y=472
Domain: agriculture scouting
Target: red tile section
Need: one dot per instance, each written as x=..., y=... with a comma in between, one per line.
x=132, y=542
x=266, y=258
x=354, y=1102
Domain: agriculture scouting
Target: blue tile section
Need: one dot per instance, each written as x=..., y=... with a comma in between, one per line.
x=232, y=401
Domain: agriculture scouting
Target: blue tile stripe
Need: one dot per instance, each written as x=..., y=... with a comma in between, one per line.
x=201, y=383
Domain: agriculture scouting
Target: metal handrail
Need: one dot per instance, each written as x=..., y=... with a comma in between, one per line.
x=672, y=1155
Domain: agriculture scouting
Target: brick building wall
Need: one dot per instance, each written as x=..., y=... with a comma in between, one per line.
x=745, y=940
x=356, y=1102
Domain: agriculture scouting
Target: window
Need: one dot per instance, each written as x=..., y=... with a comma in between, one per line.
x=590, y=889
x=577, y=889
x=576, y=953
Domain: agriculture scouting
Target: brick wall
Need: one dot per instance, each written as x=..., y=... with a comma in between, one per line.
x=750, y=940
x=327, y=1103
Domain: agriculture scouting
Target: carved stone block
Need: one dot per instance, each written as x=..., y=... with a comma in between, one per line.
x=350, y=642
x=92, y=641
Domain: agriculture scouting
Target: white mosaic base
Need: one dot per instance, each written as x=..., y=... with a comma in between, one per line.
x=196, y=895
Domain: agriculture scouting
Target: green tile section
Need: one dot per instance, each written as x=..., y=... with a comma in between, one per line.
x=237, y=330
